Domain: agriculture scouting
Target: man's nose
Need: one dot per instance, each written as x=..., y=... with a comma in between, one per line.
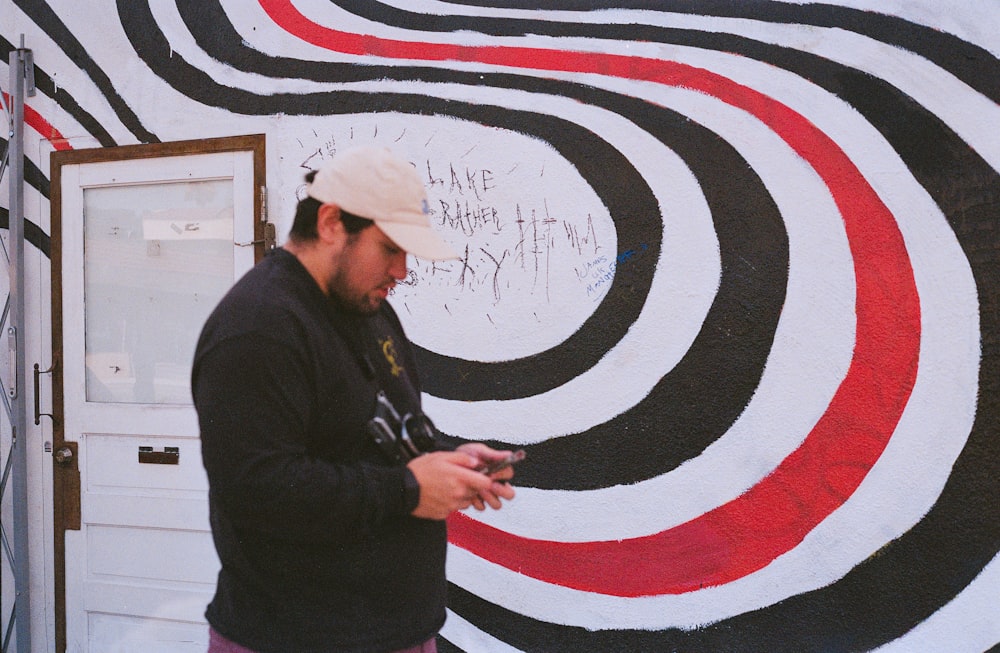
x=397, y=266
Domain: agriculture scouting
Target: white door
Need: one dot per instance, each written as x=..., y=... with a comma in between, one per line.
x=148, y=247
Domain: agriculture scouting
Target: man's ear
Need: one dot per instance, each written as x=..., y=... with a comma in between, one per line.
x=329, y=227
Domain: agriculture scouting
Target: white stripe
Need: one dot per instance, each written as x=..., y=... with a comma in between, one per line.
x=976, y=21
x=467, y=637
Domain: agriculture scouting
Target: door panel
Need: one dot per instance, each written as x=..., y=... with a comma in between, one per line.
x=149, y=238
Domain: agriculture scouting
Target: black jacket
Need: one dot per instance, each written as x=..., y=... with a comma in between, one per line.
x=310, y=522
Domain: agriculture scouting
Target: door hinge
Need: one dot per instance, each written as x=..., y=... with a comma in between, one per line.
x=263, y=204
x=270, y=239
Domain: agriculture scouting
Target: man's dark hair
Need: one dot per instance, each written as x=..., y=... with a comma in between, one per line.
x=304, y=224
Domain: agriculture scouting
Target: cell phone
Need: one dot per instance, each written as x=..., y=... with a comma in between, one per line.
x=498, y=465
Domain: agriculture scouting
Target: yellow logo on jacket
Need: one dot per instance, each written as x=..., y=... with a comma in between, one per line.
x=389, y=351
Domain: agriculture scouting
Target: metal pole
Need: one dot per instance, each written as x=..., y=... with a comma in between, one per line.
x=20, y=61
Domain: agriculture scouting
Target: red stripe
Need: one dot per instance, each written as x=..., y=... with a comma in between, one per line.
x=35, y=120
x=774, y=516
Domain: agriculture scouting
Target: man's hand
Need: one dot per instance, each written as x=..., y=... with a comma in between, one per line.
x=484, y=456
x=449, y=481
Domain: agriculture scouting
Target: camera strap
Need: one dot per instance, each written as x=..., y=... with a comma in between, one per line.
x=380, y=349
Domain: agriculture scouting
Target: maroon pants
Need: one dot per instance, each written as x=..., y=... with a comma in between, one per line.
x=219, y=644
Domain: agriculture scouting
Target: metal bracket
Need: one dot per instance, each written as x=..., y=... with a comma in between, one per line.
x=29, y=69
x=12, y=388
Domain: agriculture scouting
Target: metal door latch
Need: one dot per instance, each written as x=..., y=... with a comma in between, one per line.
x=270, y=239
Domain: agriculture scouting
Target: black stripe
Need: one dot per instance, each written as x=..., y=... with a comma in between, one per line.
x=32, y=232
x=32, y=174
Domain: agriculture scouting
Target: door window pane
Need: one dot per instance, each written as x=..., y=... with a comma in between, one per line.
x=157, y=259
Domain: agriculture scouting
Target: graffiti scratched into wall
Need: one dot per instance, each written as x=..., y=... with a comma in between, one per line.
x=524, y=223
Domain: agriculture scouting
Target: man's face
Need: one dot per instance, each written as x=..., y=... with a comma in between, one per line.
x=366, y=270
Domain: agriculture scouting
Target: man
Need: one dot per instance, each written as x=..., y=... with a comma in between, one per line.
x=326, y=542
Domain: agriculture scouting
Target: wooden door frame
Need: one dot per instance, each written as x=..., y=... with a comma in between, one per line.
x=66, y=475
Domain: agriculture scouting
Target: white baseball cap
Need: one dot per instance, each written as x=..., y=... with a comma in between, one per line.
x=372, y=182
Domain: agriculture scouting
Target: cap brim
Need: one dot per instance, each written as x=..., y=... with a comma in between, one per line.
x=419, y=240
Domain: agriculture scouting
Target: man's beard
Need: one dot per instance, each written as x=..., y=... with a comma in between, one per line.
x=359, y=303
x=366, y=306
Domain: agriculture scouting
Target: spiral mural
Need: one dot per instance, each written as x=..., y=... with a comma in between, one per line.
x=730, y=278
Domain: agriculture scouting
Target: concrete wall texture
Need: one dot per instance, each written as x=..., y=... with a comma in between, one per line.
x=730, y=276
